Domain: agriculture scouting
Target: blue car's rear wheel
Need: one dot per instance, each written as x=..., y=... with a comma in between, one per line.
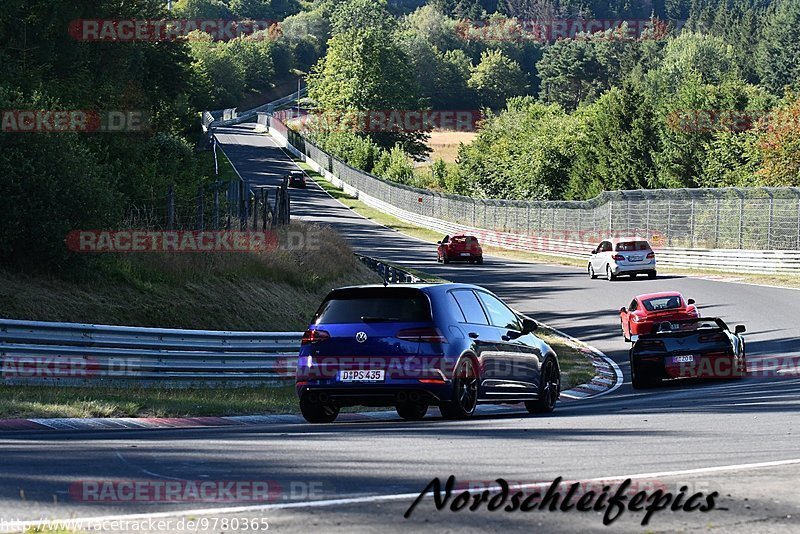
x=549, y=389
x=465, y=392
x=412, y=411
x=315, y=412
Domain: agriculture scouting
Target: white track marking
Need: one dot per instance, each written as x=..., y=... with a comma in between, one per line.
x=22, y=525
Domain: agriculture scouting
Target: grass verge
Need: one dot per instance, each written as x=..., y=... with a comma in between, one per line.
x=43, y=401
x=429, y=235
x=277, y=290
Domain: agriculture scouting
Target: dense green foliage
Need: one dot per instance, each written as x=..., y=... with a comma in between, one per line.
x=564, y=119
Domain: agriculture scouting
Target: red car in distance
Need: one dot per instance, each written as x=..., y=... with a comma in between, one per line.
x=646, y=311
x=459, y=247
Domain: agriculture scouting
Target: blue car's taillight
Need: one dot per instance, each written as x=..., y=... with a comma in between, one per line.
x=422, y=335
x=314, y=336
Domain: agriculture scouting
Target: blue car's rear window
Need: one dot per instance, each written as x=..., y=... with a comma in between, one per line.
x=374, y=305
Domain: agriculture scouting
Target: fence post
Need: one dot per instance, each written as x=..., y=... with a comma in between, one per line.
x=647, y=220
x=255, y=210
x=170, y=208
x=798, y=221
x=265, y=208
x=741, y=220
x=691, y=223
x=669, y=221
x=241, y=207
x=216, y=163
x=199, y=223
x=771, y=217
x=216, y=208
x=716, y=226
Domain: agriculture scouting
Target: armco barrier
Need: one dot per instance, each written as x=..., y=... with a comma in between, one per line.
x=34, y=352
x=718, y=259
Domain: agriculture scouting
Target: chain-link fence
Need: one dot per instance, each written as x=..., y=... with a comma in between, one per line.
x=758, y=218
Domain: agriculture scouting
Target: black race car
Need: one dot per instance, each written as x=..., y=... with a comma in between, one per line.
x=688, y=348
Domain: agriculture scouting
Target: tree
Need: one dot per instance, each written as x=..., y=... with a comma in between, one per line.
x=356, y=15
x=365, y=70
x=780, y=145
x=394, y=165
x=497, y=78
x=525, y=152
x=203, y=9
x=617, y=144
x=779, y=53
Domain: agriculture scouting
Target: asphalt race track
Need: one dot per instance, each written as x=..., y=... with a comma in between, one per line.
x=739, y=438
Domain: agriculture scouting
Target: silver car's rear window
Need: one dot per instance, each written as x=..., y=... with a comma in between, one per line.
x=632, y=246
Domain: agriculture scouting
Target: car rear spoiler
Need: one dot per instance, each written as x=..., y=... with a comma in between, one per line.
x=673, y=328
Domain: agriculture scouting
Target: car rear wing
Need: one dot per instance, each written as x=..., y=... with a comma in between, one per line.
x=682, y=327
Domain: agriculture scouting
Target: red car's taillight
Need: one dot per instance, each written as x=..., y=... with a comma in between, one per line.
x=314, y=336
x=618, y=257
x=422, y=335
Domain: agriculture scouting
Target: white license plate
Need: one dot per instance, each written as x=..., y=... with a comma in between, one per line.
x=465, y=253
x=634, y=258
x=687, y=358
x=361, y=376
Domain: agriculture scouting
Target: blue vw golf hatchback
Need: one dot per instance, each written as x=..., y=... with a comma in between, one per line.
x=412, y=346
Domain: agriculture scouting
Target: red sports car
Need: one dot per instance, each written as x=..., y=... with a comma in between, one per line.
x=459, y=248
x=646, y=311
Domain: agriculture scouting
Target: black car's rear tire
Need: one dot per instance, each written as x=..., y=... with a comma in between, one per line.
x=465, y=392
x=315, y=412
x=412, y=411
x=549, y=389
x=640, y=380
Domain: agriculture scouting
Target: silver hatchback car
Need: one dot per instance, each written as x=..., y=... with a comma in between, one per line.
x=622, y=256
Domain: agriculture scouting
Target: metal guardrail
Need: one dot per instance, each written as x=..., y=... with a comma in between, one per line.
x=34, y=352
x=389, y=273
